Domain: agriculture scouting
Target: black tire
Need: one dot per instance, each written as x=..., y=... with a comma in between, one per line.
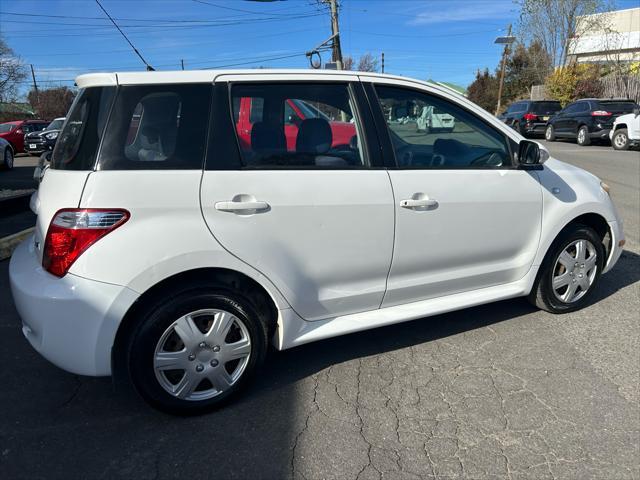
x=583, y=138
x=7, y=159
x=144, y=339
x=620, y=139
x=542, y=294
x=550, y=134
x=518, y=128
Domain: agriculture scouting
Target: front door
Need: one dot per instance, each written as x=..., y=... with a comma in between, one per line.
x=316, y=220
x=465, y=219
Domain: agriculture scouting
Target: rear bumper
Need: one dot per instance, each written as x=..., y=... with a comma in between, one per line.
x=598, y=134
x=535, y=128
x=71, y=321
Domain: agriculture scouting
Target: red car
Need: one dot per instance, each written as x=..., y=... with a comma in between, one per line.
x=14, y=132
x=249, y=111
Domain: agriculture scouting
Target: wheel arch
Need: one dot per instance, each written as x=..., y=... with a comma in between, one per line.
x=239, y=282
x=618, y=126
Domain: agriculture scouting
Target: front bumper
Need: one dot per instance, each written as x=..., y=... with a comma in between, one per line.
x=71, y=321
x=617, y=236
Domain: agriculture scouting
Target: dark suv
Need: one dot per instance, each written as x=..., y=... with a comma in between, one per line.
x=587, y=119
x=529, y=117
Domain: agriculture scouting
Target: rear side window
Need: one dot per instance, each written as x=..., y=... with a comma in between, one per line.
x=78, y=142
x=157, y=127
x=618, y=107
x=304, y=125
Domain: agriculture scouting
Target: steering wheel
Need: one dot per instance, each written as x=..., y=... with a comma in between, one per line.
x=493, y=159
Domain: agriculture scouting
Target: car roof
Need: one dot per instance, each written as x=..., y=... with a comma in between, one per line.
x=207, y=76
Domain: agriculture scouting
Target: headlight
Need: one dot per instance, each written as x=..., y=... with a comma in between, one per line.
x=606, y=188
x=51, y=136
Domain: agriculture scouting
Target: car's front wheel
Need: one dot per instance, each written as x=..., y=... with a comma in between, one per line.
x=570, y=271
x=194, y=352
x=549, y=134
x=620, y=140
x=8, y=158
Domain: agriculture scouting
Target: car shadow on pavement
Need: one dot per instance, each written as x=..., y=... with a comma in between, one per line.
x=58, y=425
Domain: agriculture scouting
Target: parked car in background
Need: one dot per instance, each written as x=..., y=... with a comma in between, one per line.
x=529, y=117
x=14, y=132
x=433, y=120
x=587, y=119
x=6, y=155
x=625, y=132
x=43, y=140
x=174, y=255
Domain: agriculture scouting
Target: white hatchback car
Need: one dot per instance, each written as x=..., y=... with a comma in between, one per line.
x=175, y=243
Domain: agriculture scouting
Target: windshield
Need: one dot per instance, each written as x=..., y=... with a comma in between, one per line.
x=78, y=142
x=545, y=107
x=6, y=127
x=309, y=111
x=55, y=125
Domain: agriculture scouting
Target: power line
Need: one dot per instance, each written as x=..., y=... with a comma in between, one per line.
x=149, y=67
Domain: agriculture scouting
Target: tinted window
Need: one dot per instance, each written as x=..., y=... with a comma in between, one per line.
x=299, y=126
x=582, y=107
x=520, y=107
x=573, y=108
x=55, y=125
x=618, y=107
x=6, y=127
x=157, y=127
x=78, y=142
x=545, y=107
x=429, y=132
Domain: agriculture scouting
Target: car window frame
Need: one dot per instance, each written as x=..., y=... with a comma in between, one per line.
x=384, y=135
x=222, y=124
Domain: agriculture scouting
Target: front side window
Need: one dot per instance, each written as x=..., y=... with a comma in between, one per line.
x=6, y=127
x=429, y=132
x=298, y=126
x=78, y=142
x=157, y=127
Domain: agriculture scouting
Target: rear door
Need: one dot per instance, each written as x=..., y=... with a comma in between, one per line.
x=465, y=218
x=316, y=220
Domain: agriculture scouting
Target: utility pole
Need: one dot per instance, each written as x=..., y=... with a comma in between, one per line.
x=35, y=85
x=182, y=63
x=382, y=62
x=505, y=52
x=336, y=55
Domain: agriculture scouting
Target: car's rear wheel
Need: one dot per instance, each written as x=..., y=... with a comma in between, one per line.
x=8, y=159
x=620, y=140
x=570, y=272
x=583, y=136
x=519, y=129
x=194, y=352
x=550, y=134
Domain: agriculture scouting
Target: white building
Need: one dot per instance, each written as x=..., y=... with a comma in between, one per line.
x=606, y=37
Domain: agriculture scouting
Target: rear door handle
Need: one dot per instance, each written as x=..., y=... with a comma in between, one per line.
x=418, y=204
x=231, y=206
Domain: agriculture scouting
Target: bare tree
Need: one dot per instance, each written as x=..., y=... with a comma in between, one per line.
x=347, y=63
x=368, y=63
x=52, y=102
x=554, y=23
x=12, y=72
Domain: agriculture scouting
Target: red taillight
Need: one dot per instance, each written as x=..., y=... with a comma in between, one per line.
x=530, y=117
x=73, y=230
x=600, y=113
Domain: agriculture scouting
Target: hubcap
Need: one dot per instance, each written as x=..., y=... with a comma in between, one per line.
x=202, y=354
x=581, y=136
x=548, y=133
x=620, y=140
x=574, y=271
x=8, y=157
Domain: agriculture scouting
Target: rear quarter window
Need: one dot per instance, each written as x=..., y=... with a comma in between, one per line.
x=155, y=127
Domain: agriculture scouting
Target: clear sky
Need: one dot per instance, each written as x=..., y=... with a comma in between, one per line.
x=446, y=40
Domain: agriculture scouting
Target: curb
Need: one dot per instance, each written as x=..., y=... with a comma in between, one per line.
x=10, y=242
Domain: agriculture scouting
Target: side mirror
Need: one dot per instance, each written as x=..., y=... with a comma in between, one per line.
x=531, y=153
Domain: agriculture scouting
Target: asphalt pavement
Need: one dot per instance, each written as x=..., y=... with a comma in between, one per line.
x=501, y=391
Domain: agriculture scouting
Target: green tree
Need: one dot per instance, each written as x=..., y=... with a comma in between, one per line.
x=526, y=66
x=484, y=90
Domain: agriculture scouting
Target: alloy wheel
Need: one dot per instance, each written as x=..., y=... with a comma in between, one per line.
x=581, y=136
x=202, y=354
x=8, y=159
x=575, y=271
x=620, y=140
x=547, y=133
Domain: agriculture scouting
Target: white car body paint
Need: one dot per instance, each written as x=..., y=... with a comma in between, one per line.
x=174, y=227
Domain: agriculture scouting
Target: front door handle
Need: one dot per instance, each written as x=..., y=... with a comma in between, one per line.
x=419, y=203
x=242, y=207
